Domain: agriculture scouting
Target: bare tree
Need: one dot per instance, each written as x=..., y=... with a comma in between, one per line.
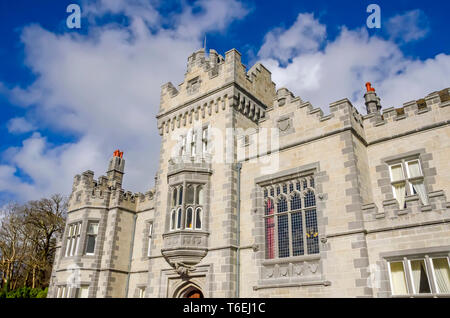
x=28, y=240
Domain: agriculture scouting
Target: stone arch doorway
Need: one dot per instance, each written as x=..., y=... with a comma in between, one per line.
x=194, y=293
x=188, y=290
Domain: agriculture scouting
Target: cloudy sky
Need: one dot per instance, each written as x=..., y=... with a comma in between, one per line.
x=69, y=97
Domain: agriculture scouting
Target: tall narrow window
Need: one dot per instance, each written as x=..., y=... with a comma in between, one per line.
x=174, y=197
x=297, y=225
x=183, y=145
x=173, y=217
x=205, y=141
x=189, y=218
x=73, y=239
x=442, y=274
x=91, y=237
x=190, y=194
x=312, y=231
x=149, y=241
x=200, y=196
x=283, y=228
x=270, y=229
x=179, y=217
x=398, y=184
x=180, y=195
x=198, y=219
x=141, y=292
x=193, y=143
x=398, y=278
x=421, y=283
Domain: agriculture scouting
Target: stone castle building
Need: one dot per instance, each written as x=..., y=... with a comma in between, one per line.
x=259, y=194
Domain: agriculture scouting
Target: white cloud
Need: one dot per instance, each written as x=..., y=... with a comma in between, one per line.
x=344, y=65
x=304, y=36
x=19, y=125
x=104, y=89
x=409, y=26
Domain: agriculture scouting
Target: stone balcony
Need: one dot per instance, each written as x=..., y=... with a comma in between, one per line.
x=183, y=249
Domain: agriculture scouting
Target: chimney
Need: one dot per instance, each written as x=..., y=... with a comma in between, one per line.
x=116, y=169
x=372, y=100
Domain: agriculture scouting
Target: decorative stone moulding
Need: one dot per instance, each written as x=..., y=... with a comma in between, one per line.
x=184, y=249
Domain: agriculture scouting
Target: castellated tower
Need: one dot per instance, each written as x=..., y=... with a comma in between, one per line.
x=260, y=194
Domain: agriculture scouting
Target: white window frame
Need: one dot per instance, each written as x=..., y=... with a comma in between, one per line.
x=407, y=179
x=141, y=292
x=149, y=241
x=205, y=136
x=183, y=206
x=192, y=218
x=73, y=239
x=195, y=218
x=414, y=291
x=78, y=291
x=433, y=272
x=91, y=234
x=404, y=274
x=429, y=267
x=193, y=143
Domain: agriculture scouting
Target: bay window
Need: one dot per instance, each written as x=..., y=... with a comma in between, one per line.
x=186, y=210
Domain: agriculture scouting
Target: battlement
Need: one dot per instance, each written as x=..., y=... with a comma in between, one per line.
x=214, y=75
x=430, y=110
x=88, y=191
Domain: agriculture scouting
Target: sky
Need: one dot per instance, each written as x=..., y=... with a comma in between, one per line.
x=70, y=97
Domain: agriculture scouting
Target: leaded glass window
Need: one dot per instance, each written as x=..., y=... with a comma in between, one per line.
x=290, y=221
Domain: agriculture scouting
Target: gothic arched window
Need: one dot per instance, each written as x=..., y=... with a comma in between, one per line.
x=186, y=210
x=293, y=229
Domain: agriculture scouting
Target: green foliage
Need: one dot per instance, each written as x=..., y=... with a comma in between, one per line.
x=24, y=292
x=42, y=293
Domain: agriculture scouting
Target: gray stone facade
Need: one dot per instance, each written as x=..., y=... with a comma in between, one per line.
x=214, y=126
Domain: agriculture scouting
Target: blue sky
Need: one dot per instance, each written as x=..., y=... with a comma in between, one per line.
x=69, y=97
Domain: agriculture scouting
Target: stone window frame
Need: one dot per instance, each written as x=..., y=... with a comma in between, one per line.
x=193, y=138
x=284, y=272
x=184, y=206
x=140, y=291
x=384, y=181
x=407, y=179
x=149, y=237
x=77, y=289
x=426, y=254
x=97, y=235
x=288, y=189
x=69, y=236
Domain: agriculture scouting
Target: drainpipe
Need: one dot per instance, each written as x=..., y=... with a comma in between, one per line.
x=238, y=238
x=131, y=255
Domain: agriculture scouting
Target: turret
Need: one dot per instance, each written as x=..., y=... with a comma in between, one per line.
x=372, y=100
x=116, y=169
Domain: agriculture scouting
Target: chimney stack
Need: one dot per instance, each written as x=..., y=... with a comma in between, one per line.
x=373, y=104
x=116, y=169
